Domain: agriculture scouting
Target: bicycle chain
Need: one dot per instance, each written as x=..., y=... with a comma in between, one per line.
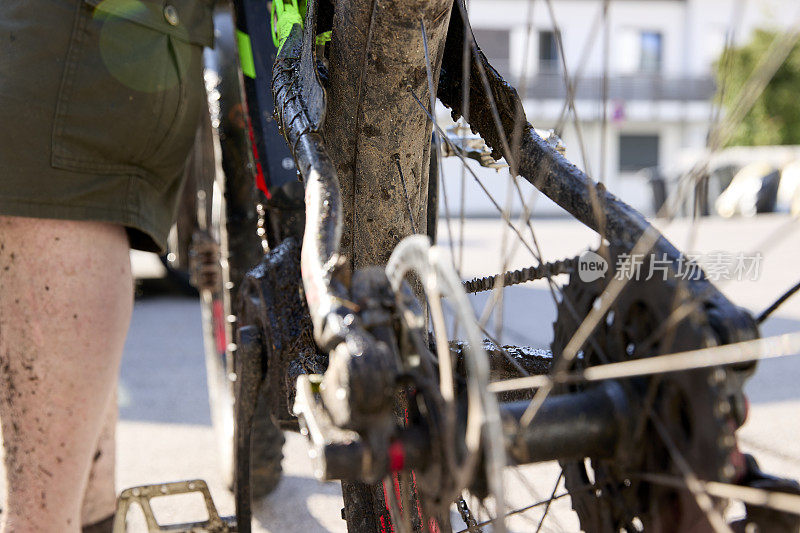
x=466, y=516
x=511, y=277
x=515, y=277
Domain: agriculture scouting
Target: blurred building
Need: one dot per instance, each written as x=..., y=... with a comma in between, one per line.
x=644, y=69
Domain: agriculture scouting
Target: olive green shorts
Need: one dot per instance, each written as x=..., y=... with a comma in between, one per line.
x=99, y=104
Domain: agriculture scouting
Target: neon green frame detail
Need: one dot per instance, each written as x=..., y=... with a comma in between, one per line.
x=324, y=37
x=245, y=54
x=284, y=15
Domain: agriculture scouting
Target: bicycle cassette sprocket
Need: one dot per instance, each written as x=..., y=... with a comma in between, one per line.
x=690, y=406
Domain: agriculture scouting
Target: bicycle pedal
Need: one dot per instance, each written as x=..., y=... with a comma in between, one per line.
x=143, y=494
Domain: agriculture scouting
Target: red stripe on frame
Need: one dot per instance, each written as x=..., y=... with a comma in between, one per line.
x=261, y=182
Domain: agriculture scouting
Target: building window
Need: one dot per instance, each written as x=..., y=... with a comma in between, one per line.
x=637, y=152
x=495, y=45
x=548, y=52
x=650, y=51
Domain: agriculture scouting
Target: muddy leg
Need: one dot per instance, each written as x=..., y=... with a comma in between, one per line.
x=100, y=496
x=65, y=306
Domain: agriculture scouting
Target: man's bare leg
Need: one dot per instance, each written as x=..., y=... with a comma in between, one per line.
x=100, y=496
x=65, y=306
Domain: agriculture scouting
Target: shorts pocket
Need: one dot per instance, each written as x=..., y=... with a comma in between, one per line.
x=123, y=98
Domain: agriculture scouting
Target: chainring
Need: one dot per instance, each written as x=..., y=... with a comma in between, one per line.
x=610, y=494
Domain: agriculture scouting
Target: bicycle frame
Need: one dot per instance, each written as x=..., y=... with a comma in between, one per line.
x=290, y=90
x=272, y=166
x=297, y=93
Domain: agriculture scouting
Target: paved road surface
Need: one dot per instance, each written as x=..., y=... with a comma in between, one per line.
x=165, y=432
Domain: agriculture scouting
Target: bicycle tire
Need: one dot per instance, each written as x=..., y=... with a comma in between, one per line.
x=229, y=202
x=266, y=451
x=267, y=439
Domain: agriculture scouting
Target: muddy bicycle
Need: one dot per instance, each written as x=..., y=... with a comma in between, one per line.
x=329, y=311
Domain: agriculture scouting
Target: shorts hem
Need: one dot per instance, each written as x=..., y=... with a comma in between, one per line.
x=153, y=241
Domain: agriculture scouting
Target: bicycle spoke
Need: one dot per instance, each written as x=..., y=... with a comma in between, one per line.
x=506, y=219
x=498, y=123
x=465, y=87
x=535, y=494
x=519, y=122
x=567, y=85
x=588, y=47
x=437, y=135
x=691, y=481
x=505, y=353
x=549, y=501
x=525, y=215
x=727, y=60
x=504, y=265
x=526, y=508
x=778, y=501
x=396, y=159
x=777, y=303
x=601, y=177
x=595, y=201
x=728, y=354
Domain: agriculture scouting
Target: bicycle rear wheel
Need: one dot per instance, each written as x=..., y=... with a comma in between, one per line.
x=383, y=65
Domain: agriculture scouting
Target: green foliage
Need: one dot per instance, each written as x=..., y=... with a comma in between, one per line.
x=775, y=117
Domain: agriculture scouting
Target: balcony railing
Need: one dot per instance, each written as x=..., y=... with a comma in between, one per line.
x=634, y=87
